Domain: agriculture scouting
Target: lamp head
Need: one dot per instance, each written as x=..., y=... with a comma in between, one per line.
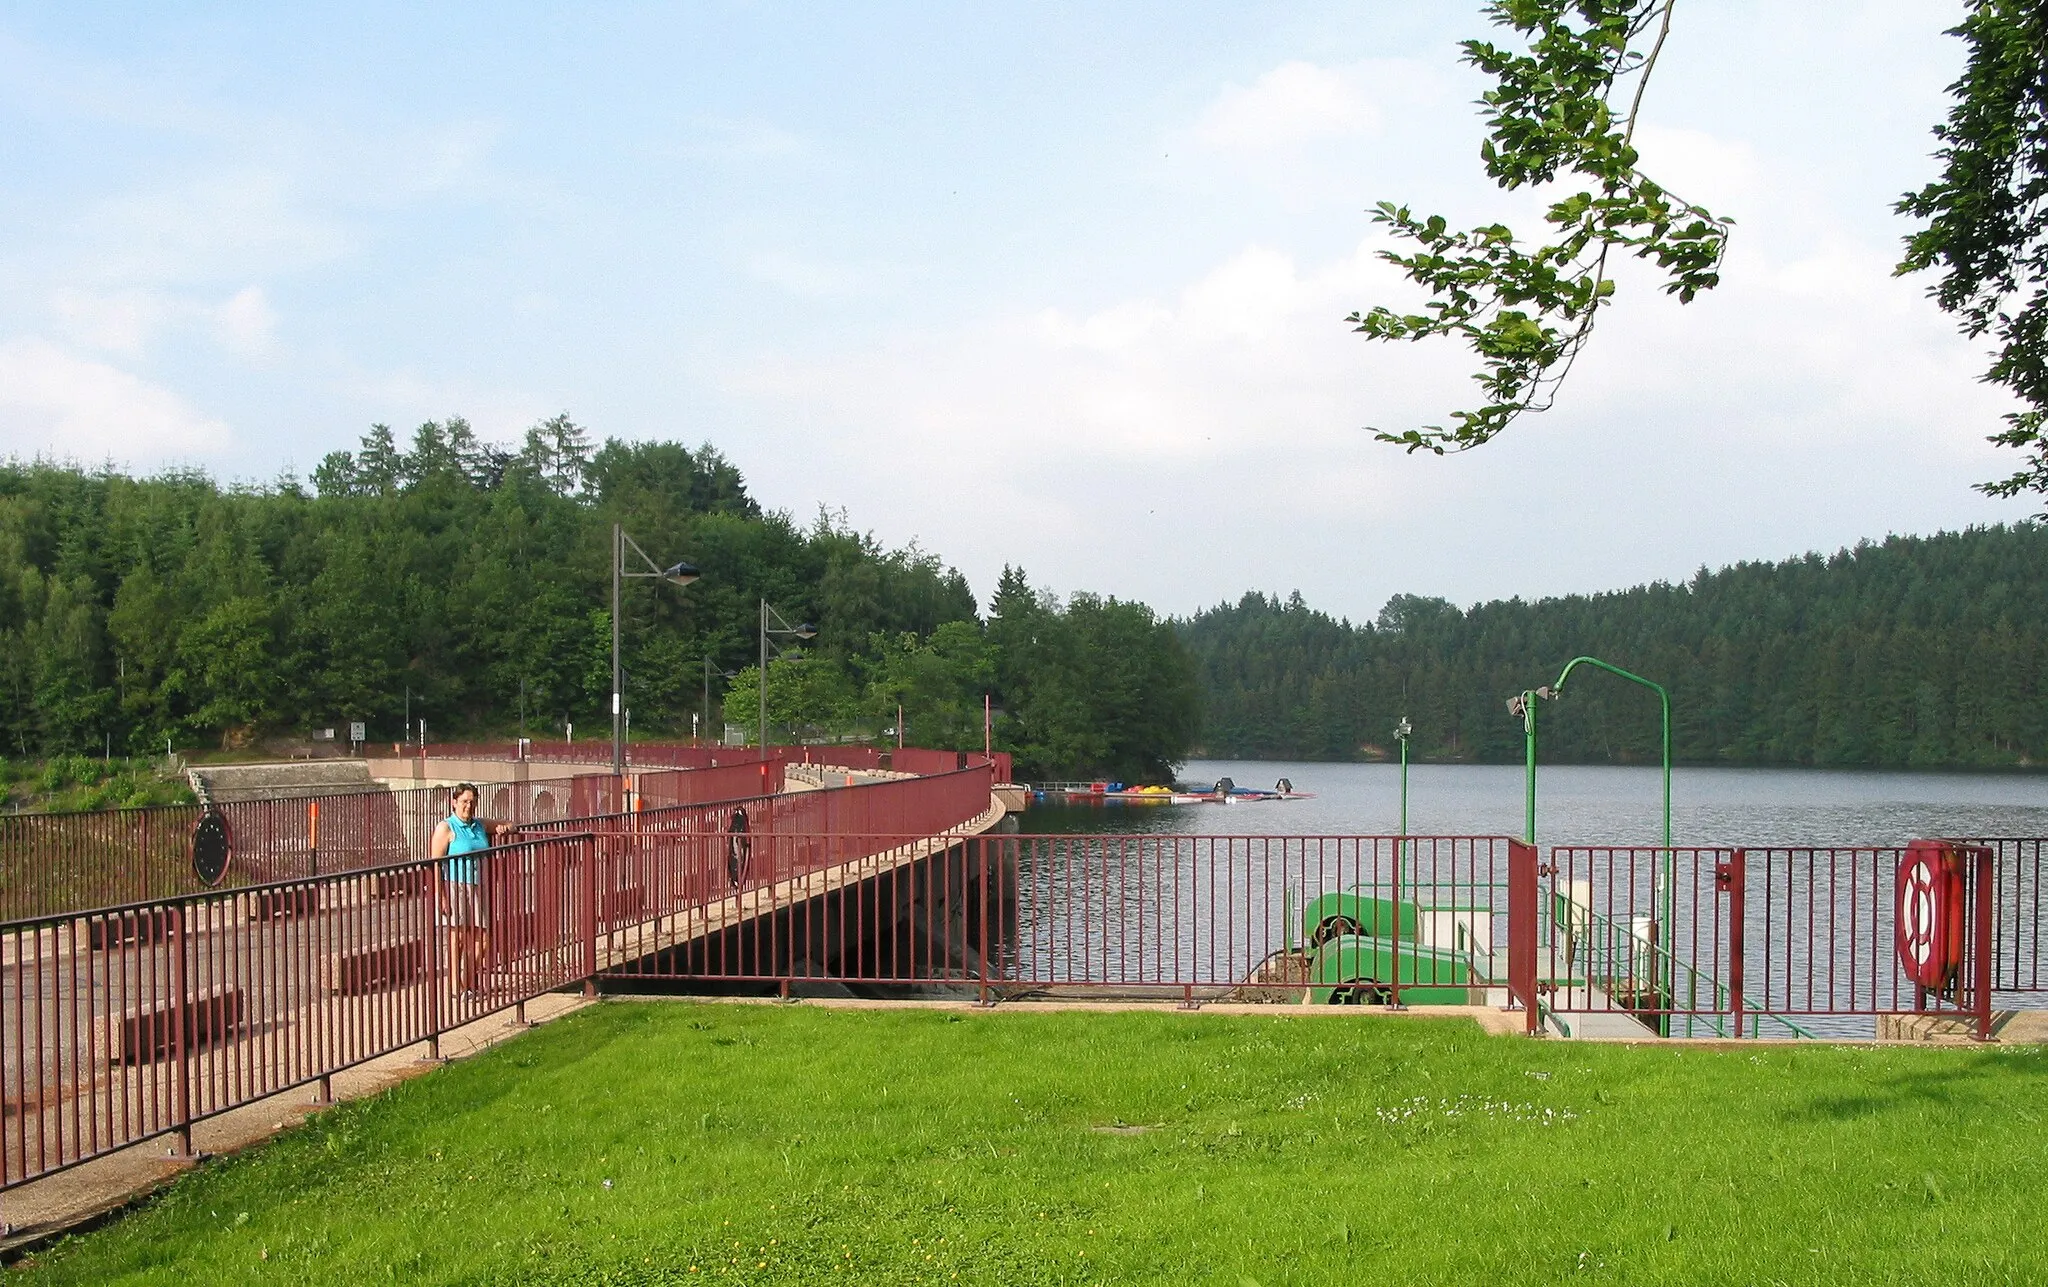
x=1517, y=706
x=681, y=574
x=805, y=631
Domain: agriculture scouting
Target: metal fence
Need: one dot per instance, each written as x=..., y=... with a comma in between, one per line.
x=63, y=862
x=1593, y=941
x=1191, y=917
x=123, y=1024
x=643, y=755
x=668, y=755
x=1798, y=941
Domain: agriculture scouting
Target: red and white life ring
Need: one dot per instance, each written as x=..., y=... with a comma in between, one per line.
x=1928, y=921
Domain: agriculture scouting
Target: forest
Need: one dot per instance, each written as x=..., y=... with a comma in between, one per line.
x=455, y=581
x=1910, y=652
x=467, y=584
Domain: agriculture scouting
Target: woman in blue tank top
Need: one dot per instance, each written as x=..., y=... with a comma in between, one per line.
x=460, y=840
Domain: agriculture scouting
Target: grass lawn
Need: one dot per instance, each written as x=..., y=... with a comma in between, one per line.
x=681, y=1143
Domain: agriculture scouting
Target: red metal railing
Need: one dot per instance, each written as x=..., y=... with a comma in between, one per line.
x=909, y=806
x=1801, y=940
x=671, y=755
x=1189, y=916
x=130, y=1022
x=122, y=1025
x=656, y=789
x=645, y=755
x=60, y=862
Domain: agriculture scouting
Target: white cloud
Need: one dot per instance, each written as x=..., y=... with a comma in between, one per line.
x=1135, y=447
x=229, y=225
x=1291, y=104
x=1721, y=174
x=53, y=402
x=246, y=324
x=116, y=321
x=128, y=322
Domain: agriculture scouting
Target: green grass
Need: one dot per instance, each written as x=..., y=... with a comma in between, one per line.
x=795, y=1145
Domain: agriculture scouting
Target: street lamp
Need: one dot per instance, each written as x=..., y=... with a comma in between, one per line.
x=781, y=627
x=1665, y=873
x=680, y=574
x=1402, y=732
x=710, y=670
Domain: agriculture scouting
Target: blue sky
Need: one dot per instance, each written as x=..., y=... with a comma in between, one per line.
x=1059, y=286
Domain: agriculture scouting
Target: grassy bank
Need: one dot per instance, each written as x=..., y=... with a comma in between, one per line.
x=76, y=783
x=677, y=1143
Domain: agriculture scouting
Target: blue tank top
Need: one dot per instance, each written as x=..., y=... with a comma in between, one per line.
x=464, y=838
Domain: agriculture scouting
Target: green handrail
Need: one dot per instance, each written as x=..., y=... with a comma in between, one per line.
x=1604, y=947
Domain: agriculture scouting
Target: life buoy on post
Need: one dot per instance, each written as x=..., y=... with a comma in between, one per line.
x=1928, y=922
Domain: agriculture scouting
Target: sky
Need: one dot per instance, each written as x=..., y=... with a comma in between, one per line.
x=1060, y=286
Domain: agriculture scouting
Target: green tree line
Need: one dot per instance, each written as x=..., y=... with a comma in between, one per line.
x=1913, y=652
x=468, y=584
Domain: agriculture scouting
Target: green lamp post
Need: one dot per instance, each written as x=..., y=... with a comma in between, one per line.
x=1402, y=732
x=1664, y=882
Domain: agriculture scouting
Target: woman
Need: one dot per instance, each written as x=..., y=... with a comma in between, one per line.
x=458, y=839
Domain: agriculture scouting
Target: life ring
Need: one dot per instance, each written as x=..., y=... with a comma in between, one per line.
x=1928, y=917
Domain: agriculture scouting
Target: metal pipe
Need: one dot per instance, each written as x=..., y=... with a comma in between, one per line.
x=618, y=738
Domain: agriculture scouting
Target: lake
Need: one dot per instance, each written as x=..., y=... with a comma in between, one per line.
x=1587, y=804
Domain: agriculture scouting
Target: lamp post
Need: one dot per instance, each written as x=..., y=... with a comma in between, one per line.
x=1402, y=732
x=1664, y=702
x=781, y=627
x=679, y=574
x=1664, y=876
x=709, y=670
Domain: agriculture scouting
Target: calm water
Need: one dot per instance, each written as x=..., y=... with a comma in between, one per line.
x=1591, y=805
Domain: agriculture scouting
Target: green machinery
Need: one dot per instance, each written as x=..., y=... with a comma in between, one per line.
x=1356, y=969
x=1358, y=945
x=1329, y=915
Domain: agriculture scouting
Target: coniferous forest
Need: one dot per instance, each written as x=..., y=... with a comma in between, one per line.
x=466, y=584
x=469, y=585
x=1916, y=652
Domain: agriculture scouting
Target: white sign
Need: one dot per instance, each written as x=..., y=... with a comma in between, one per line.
x=357, y=733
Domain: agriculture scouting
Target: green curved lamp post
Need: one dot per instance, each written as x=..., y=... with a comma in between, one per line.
x=1666, y=900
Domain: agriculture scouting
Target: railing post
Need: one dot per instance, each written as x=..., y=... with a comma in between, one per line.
x=181, y=1054
x=1394, y=988
x=590, y=916
x=1984, y=892
x=1738, y=892
x=1522, y=932
x=980, y=844
x=438, y=897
